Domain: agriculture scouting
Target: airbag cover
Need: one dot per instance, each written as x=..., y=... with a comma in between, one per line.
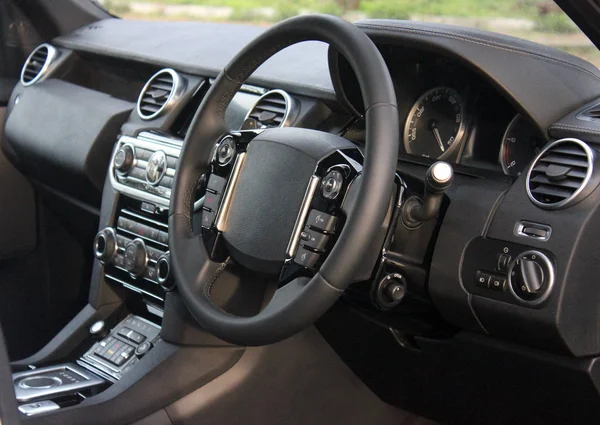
x=266, y=202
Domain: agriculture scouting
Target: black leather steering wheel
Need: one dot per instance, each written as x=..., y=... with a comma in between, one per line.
x=271, y=188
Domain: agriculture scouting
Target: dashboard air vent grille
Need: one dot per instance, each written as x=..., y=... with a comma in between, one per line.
x=561, y=174
x=159, y=94
x=37, y=64
x=275, y=108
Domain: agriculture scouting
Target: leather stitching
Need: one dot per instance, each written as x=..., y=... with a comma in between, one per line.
x=492, y=44
x=586, y=130
x=211, y=282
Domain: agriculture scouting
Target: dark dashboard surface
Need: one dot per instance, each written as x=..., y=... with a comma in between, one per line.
x=486, y=103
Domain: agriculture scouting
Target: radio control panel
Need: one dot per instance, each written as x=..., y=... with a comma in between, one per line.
x=143, y=167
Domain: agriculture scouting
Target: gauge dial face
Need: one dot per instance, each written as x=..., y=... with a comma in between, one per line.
x=520, y=144
x=435, y=123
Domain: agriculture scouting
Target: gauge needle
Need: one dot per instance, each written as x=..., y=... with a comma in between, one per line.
x=436, y=133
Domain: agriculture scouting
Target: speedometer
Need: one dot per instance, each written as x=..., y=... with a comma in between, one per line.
x=435, y=123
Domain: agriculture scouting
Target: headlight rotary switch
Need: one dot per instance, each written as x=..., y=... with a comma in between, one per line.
x=531, y=277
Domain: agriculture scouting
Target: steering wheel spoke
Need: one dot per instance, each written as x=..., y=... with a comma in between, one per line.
x=322, y=215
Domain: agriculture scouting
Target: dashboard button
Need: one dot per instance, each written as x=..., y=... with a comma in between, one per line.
x=306, y=258
x=482, y=279
x=497, y=283
x=503, y=262
x=313, y=239
x=124, y=159
x=322, y=221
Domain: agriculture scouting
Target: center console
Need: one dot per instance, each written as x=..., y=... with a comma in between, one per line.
x=42, y=390
x=133, y=250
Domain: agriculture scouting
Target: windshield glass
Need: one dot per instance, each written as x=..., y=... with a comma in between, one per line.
x=541, y=21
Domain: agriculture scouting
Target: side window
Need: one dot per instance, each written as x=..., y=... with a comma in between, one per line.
x=17, y=38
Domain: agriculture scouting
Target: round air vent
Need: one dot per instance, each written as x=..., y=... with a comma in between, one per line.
x=37, y=64
x=275, y=108
x=160, y=93
x=562, y=174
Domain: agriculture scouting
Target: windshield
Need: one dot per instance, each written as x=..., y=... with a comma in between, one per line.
x=541, y=21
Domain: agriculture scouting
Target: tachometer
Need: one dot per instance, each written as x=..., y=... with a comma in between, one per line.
x=435, y=123
x=520, y=144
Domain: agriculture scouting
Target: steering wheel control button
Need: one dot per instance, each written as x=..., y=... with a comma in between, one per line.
x=306, y=258
x=314, y=240
x=216, y=184
x=123, y=160
x=225, y=151
x=208, y=218
x=135, y=257
x=211, y=201
x=322, y=221
x=531, y=277
x=331, y=185
x=482, y=279
x=156, y=167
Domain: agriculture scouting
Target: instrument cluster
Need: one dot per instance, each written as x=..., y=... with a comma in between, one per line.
x=449, y=112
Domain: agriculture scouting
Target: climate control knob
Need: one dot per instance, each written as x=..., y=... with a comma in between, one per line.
x=123, y=160
x=135, y=257
x=105, y=244
x=531, y=277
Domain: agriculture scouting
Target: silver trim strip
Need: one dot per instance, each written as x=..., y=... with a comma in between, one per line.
x=565, y=202
x=25, y=395
x=176, y=92
x=306, y=202
x=131, y=287
x=133, y=214
x=235, y=174
x=52, y=52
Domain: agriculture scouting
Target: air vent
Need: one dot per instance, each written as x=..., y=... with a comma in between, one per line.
x=275, y=108
x=37, y=64
x=590, y=114
x=562, y=174
x=159, y=94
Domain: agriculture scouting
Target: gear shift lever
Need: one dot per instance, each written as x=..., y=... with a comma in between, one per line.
x=437, y=180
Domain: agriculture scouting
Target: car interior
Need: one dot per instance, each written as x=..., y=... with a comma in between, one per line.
x=316, y=222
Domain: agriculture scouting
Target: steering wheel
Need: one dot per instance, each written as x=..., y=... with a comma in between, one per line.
x=279, y=187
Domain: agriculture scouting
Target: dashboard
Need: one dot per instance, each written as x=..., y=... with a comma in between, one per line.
x=447, y=111
x=115, y=119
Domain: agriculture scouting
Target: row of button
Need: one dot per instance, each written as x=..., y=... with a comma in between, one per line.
x=131, y=335
x=490, y=281
x=314, y=237
x=212, y=198
x=114, y=351
x=145, y=154
x=142, y=230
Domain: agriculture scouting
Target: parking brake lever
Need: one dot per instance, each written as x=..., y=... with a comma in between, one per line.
x=437, y=180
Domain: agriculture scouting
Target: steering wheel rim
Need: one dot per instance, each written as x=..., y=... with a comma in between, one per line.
x=299, y=303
